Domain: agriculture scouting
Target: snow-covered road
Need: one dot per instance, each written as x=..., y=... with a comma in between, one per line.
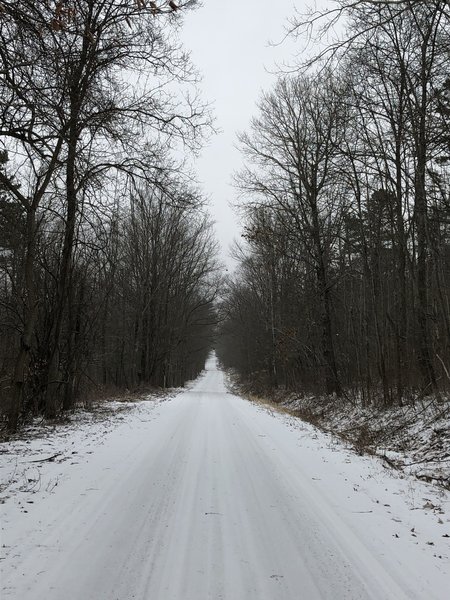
x=211, y=497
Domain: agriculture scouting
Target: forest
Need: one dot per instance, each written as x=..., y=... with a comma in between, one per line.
x=343, y=285
x=184, y=421
x=108, y=269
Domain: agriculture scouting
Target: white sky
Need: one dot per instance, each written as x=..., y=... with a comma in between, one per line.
x=228, y=40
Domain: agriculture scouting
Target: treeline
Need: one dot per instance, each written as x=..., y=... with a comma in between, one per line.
x=344, y=281
x=107, y=261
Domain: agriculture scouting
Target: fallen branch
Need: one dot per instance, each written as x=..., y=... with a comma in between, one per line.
x=49, y=459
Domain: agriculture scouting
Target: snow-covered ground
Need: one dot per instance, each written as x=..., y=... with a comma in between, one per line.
x=415, y=437
x=208, y=496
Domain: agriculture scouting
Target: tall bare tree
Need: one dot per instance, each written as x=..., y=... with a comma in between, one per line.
x=290, y=151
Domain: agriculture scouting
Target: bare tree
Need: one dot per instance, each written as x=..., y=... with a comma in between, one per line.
x=353, y=169
x=105, y=101
x=291, y=149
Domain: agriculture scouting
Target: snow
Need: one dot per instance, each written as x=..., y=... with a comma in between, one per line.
x=209, y=496
x=414, y=437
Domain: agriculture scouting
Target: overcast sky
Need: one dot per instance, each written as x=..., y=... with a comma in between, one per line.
x=228, y=40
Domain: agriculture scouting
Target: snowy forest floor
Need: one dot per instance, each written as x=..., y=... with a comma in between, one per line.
x=31, y=459
x=414, y=438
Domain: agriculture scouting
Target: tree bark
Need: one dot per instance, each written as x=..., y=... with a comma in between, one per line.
x=54, y=376
x=30, y=316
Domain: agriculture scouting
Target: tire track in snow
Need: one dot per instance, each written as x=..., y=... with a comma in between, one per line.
x=210, y=500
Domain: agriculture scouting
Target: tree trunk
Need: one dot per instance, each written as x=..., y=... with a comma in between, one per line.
x=53, y=377
x=421, y=219
x=30, y=317
x=332, y=383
